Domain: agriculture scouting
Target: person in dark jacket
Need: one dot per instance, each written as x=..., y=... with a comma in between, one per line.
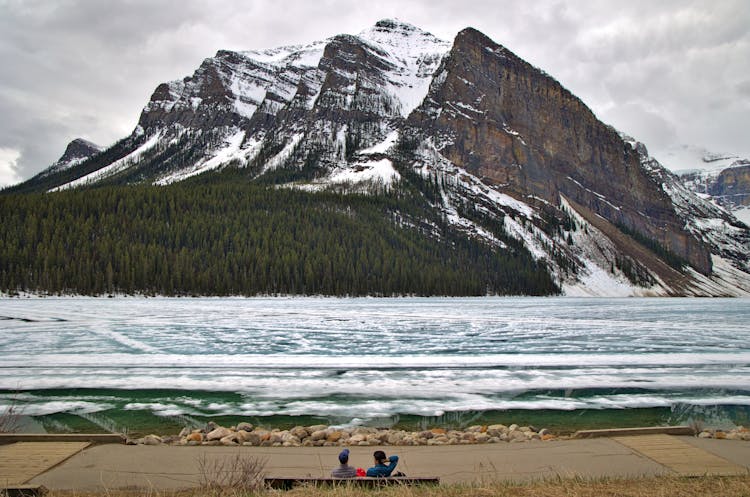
x=381, y=469
x=344, y=470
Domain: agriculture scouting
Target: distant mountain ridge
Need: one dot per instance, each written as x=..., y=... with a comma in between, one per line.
x=723, y=177
x=497, y=146
x=76, y=152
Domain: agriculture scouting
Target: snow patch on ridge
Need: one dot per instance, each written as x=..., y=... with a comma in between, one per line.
x=115, y=167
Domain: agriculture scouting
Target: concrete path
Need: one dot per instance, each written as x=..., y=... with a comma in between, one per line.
x=681, y=457
x=167, y=467
x=22, y=461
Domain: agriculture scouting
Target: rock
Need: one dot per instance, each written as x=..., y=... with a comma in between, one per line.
x=252, y=438
x=516, y=436
x=299, y=432
x=359, y=437
x=210, y=426
x=525, y=429
x=229, y=440
x=547, y=437
x=705, y=434
x=543, y=431
x=276, y=438
x=513, y=427
x=150, y=440
x=262, y=434
x=242, y=436
x=289, y=437
x=395, y=438
x=218, y=433
x=318, y=435
x=476, y=429
x=335, y=437
x=481, y=438
x=311, y=429
x=244, y=427
x=427, y=434
x=380, y=437
x=438, y=431
x=194, y=437
x=185, y=432
x=496, y=430
x=720, y=435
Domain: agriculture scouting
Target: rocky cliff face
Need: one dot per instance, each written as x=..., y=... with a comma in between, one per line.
x=503, y=120
x=730, y=187
x=500, y=148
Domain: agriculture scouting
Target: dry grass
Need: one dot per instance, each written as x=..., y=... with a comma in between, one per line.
x=710, y=486
x=10, y=418
x=229, y=475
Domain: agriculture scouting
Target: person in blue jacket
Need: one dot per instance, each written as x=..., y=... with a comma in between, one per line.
x=380, y=469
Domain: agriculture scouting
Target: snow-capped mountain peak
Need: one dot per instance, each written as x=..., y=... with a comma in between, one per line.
x=497, y=147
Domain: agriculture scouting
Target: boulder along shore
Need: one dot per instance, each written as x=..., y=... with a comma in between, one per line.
x=328, y=436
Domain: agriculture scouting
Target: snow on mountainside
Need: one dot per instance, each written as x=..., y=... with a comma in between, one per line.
x=76, y=152
x=707, y=221
x=499, y=148
x=725, y=178
x=688, y=159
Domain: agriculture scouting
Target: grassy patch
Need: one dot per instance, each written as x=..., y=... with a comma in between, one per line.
x=665, y=486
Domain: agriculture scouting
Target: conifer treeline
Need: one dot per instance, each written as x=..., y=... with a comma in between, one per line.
x=244, y=239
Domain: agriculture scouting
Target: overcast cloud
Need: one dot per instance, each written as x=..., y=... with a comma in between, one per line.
x=669, y=72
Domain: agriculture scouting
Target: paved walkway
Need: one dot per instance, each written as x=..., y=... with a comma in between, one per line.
x=22, y=461
x=167, y=467
x=681, y=457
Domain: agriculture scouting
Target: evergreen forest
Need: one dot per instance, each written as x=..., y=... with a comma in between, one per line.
x=239, y=238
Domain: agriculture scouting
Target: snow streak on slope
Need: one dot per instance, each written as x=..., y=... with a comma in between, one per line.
x=233, y=151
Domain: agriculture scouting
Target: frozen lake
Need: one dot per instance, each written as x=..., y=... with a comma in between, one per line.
x=359, y=360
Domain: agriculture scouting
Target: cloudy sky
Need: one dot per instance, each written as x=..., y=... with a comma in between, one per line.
x=670, y=72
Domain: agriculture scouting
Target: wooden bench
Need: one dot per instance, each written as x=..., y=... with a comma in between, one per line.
x=287, y=483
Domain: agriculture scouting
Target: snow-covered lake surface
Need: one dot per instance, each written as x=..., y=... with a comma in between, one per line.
x=354, y=360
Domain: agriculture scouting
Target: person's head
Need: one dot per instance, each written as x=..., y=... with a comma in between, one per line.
x=344, y=456
x=379, y=456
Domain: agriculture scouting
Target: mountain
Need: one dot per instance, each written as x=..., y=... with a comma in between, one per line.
x=497, y=149
x=76, y=152
x=725, y=178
